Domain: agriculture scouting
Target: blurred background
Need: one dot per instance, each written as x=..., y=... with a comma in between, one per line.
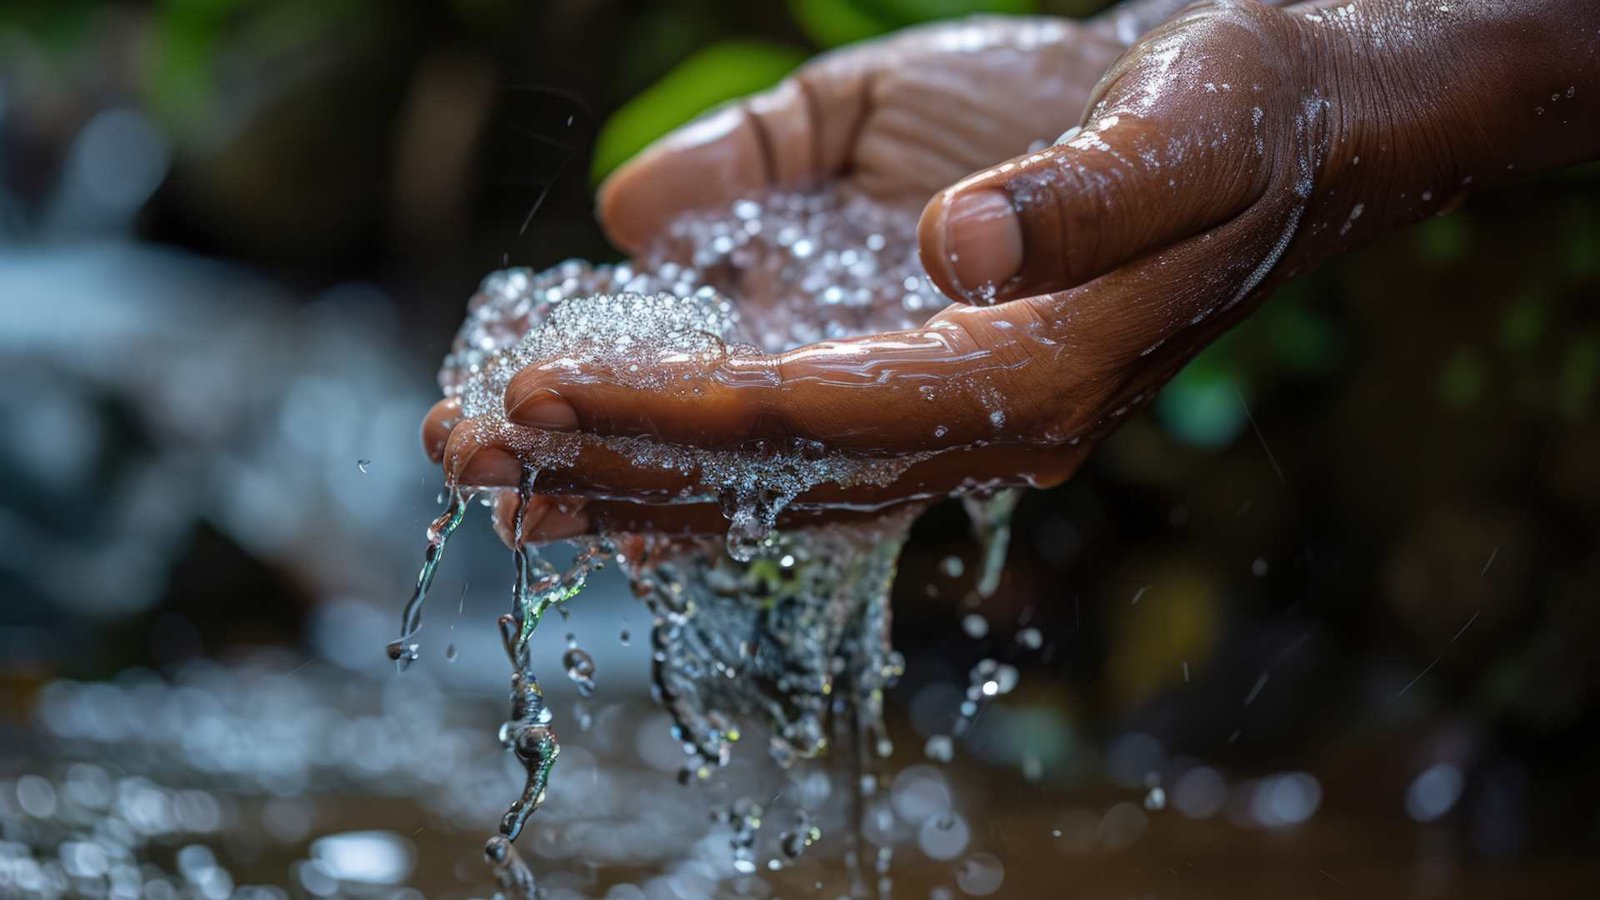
x=1320, y=621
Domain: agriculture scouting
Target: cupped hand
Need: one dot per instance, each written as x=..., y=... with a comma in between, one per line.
x=1221, y=154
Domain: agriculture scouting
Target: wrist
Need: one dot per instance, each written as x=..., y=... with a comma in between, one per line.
x=1430, y=101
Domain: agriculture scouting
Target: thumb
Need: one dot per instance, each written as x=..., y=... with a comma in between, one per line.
x=1099, y=198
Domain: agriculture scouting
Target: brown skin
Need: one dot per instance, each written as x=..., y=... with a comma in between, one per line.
x=1232, y=148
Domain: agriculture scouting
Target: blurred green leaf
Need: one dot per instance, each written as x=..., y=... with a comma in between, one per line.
x=1442, y=239
x=1201, y=406
x=831, y=23
x=1523, y=324
x=182, y=73
x=1579, y=373
x=715, y=75
x=1299, y=338
x=1461, y=378
x=1582, y=240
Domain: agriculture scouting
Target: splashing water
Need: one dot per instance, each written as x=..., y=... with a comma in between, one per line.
x=789, y=630
x=404, y=649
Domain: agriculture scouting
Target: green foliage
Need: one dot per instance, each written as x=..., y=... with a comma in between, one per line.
x=1442, y=239
x=1523, y=324
x=1202, y=405
x=1461, y=378
x=715, y=75
x=831, y=23
x=1580, y=372
x=1581, y=239
x=1297, y=337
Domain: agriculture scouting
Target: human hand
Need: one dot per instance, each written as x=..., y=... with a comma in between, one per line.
x=1221, y=155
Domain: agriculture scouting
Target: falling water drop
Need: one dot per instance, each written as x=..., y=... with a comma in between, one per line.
x=976, y=626
x=580, y=669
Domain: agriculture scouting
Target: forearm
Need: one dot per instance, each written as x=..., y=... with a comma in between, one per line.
x=1427, y=102
x=1486, y=88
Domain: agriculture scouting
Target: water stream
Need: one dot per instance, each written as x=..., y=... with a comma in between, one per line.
x=782, y=633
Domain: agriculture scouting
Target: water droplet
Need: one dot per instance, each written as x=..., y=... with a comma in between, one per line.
x=450, y=652
x=1031, y=638
x=402, y=652
x=1156, y=798
x=952, y=566
x=976, y=626
x=580, y=669
x=939, y=748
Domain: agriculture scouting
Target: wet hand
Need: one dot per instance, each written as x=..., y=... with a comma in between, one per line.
x=1232, y=148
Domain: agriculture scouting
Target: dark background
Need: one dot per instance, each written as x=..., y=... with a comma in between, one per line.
x=236, y=236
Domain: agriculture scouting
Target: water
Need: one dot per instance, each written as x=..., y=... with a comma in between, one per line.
x=780, y=633
x=404, y=650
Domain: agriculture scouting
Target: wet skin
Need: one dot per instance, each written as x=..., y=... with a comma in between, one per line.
x=1231, y=148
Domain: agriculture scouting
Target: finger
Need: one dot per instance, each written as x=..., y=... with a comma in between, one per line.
x=436, y=427
x=548, y=518
x=491, y=455
x=1126, y=185
x=791, y=136
x=962, y=380
x=545, y=518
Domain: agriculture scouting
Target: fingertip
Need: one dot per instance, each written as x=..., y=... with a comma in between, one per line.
x=471, y=459
x=971, y=242
x=505, y=516
x=489, y=467
x=706, y=164
x=436, y=427
x=530, y=403
x=564, y=518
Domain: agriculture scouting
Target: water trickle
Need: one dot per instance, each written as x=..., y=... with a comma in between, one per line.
x=744, y=817
x=404, y=649
x=991, y=526
x=788, y=630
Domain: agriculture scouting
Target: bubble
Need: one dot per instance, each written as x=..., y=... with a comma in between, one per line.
x=952, y=566
x=1030, y=638
x=1434, y=793
x=944, y=836
x=976, y=626
x=1199, y=793
x=366, y=857
x=1283, y=800
x=939, y=748
x=980, y=874
x=1121, y=826
x=918, y=792
x=1155, y=799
